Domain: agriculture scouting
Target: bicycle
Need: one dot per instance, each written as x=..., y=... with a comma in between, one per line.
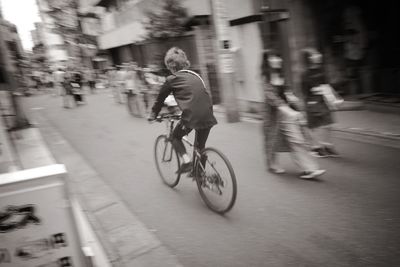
x=211, y=179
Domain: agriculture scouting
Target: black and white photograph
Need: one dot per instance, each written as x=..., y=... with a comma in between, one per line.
x=199, y=133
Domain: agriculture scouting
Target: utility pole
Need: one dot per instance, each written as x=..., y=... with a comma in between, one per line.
x=226, y=75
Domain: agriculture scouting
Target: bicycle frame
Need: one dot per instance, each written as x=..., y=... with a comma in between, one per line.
x=170, y=127
x=196, y=156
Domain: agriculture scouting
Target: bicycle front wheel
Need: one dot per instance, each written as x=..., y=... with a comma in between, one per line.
x=216, y=180
x=167, y=161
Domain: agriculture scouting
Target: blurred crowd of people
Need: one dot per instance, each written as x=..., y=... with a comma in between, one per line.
x=130, y=84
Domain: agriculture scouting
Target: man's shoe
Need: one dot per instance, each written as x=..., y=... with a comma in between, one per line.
x=312, y=174
x=185, y=167
x=319, y=152
x=331, y=152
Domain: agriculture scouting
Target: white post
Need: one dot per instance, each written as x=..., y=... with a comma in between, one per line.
x=225, y=59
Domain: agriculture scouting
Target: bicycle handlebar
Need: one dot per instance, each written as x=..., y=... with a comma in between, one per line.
x=168, y=116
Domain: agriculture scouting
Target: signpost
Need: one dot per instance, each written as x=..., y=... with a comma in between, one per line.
x=37, y=227
x=225, y=59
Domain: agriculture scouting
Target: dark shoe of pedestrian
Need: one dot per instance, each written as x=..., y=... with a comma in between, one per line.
x=331, y=152
x=319, y=152
x=312, y=174
x=185, y=167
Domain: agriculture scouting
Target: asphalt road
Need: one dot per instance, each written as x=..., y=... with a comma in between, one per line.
x=349, y=217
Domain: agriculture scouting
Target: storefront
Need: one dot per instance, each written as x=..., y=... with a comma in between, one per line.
x=360, y=42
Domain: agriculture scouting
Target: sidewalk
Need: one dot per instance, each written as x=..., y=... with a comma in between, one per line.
x=358, y=125
x=112, y=226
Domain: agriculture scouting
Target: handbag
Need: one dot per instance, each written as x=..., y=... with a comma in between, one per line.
x=332, y=99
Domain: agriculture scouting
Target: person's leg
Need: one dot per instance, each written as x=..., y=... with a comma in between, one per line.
x=327, y=143
x=300, y=153
x=180, y=131
x=145, y=100
x=271, y=155
x=201, y=139
x=138, y=106
x=92, y=86
x=202, y=136
x=325, y=135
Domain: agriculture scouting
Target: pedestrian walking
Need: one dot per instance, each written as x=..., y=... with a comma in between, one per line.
x=320, y=100
x=66, y=90
x=133, y=92
x=120, y=84
x=90, y=78
x=38, y=78
x=144, y=88
x=77, y=90
x=154, y=83
x=283, y=121
x=49, y=82
x=59, y=79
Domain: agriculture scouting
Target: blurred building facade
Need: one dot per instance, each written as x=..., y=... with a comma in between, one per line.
x=357, y=38
x=11, y=53
x=12, y=76
x=53, y=42
x=38, y=57
x=69, y=30
x=89, y=24
x=123, y=36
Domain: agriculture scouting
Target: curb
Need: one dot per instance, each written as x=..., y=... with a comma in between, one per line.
x=383, y=107
x=370, y=137
x=125, y=239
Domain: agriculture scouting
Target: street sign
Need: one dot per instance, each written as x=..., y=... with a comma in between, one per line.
x=226, y=44
x=37, y=228
x=226, y=63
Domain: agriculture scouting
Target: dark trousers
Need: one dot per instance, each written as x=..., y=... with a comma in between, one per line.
x=78, y=98
x=180, y=131
x=92, y=86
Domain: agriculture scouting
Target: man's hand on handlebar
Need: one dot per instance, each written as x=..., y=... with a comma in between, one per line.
x=152, y=117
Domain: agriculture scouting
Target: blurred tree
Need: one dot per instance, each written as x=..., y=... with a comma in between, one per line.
x=167, y=22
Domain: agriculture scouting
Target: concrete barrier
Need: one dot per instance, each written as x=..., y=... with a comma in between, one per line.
x=32, y=152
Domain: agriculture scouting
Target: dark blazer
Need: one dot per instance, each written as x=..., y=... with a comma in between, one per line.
x=192, y=99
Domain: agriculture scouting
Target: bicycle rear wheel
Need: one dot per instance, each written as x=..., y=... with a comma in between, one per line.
x=167, y=161
x=216, y=181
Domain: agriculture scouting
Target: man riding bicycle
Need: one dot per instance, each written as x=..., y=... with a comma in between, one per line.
x=192, y=98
